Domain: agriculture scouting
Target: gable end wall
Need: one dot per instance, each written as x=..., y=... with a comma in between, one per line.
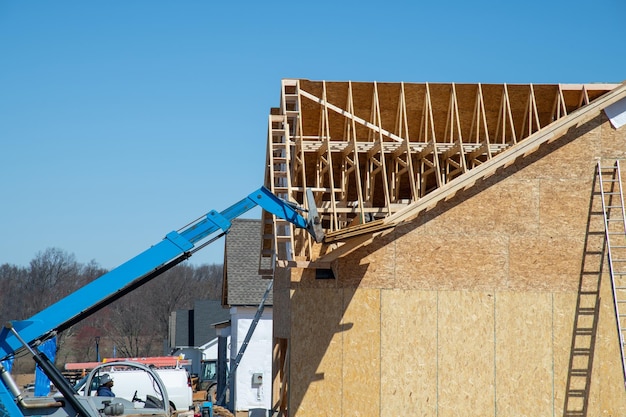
x=470, y=308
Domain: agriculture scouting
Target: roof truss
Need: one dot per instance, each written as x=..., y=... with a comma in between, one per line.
x=371, y=151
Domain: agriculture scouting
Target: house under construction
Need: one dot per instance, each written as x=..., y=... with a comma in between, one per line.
x=466, y=269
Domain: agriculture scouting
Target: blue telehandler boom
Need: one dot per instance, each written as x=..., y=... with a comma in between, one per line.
x=176, y=247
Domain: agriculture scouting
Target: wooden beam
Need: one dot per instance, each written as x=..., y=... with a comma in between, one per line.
x=352, y=116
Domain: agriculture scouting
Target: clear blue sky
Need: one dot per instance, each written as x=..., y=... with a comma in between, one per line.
x=123, y=120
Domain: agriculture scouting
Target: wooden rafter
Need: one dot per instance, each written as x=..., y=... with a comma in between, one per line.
x=402, y=157
x=351, y=156
x=479, y=132
x=327, y=157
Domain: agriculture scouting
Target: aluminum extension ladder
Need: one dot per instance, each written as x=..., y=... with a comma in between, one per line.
x=615, y=231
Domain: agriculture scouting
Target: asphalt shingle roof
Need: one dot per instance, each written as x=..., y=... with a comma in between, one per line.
x=244, y=285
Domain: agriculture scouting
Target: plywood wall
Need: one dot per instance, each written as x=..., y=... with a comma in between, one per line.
x=469, y=309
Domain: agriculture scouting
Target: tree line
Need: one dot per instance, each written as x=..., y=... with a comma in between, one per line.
x=135, y=325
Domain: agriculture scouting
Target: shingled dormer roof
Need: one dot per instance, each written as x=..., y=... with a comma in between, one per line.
x=243, y=286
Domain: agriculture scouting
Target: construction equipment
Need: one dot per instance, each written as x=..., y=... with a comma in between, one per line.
x=205, y=383
x=176, y=247
x=170, y=369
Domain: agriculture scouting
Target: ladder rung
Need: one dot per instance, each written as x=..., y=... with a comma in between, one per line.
x=580, y=372
x=576, y=393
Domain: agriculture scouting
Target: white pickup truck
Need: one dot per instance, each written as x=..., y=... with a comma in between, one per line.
x=134, y=384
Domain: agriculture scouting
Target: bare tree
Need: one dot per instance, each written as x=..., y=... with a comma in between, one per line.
x=77, y=342
x=132, y=328
x=210, y=278
x=136, y=325
x=53, y=274
x=12, y=296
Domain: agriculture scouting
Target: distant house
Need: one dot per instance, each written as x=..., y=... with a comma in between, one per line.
x=243, y=291
x=195, y=327
x=193, y=331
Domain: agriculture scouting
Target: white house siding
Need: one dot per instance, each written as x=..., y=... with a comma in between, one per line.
x=257, y=358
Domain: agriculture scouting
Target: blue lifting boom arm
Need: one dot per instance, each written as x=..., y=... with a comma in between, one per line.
x=173, y=249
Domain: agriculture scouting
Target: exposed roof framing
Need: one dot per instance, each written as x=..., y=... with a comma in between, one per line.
x=372, y=152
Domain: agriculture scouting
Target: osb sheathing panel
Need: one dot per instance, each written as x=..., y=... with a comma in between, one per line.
x=361, y=352
x=442, y=353
x=573, y=156
x=563, y=314
x=465, y=354
x=375, y=267
x=316, y=353
x=608, y=390
x=506, y=207
x=451, y=262
x=415, y=105
x=523, y=365
x=389, y=94
x=545, y=263
x=564, y=207
x=408, y=365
